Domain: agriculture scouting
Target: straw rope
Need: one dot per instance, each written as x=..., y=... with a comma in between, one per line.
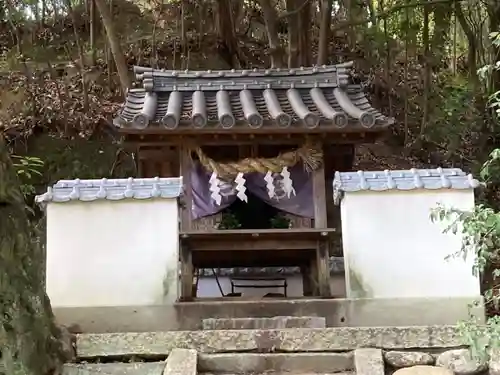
x=310, y=155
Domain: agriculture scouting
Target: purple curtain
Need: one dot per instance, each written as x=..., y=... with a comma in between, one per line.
x=300, y=204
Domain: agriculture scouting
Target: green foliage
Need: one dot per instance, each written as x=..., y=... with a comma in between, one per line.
x=480, y=230
x=229, y=221
x=451, y=122
x=27, y=167
x=486, y=74
x=280, y=221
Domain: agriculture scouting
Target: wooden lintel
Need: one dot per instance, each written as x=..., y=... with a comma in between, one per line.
x=255, y=245
x=190, y=131
x=153, y=140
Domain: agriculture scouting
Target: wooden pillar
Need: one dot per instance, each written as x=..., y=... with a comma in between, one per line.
x=187, y=272
x=320, y=222
x=187, y=198
x=186, y=256
x=307, y=285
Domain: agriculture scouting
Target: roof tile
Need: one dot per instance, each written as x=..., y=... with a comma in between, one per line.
x=315, y=97
x=432, y=179
x=112, y=189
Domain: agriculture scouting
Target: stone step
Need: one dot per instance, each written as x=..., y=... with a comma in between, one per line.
x=230, y=363
x=149, y=368
x=159, y=344
x=278, y=322
x=284, y=373
x=255, y=363
x=157, y=368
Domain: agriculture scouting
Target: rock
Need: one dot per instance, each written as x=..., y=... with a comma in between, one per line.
x=278, y=322
x=68, y=340
x=137, y=368
x=460, y=362
x=181, y=362
x=423, y=370
x=259, y=363
x=495, y=362
x=368, y=362
x=407, y=359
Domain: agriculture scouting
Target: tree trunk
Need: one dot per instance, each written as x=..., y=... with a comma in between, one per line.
x=471, y=41
x=271, y=19
x=31, y=340
x=305, y=46
x=293, y=35
x=325, y=31
x=114, y=43
x=93, y=33
x=442, y=22
x=228, y=43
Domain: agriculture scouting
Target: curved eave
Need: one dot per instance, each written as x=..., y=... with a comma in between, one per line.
x=241, y=127
x=307, y=110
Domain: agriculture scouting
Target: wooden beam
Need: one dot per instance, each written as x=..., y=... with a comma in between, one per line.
x=187, y=198
x=163, y=140
x=320, y=222
x=251, y=245
x=319, y=198
x=323, y=264
x=187, y=273
x=307, y=285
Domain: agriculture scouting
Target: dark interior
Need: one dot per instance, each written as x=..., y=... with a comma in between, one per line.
x=255, y=214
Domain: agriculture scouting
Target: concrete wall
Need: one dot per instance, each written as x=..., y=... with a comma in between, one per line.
x=393, y=250
x=112, y=253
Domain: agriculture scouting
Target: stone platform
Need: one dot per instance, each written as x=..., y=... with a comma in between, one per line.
x=366, y=312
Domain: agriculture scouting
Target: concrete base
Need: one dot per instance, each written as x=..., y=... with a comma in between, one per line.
x=338, y=313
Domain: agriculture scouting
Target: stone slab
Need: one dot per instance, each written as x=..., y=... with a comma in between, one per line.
x=254, y=363
x=278, y=322
x=369, y=362
x=284, y=373
x=181, y=362
x=284, y=340
x=362, y=312
x=149, y=368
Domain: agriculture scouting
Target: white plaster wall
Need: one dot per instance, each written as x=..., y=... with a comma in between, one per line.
x=112, y=253
x=392, y=249
x=207, y=287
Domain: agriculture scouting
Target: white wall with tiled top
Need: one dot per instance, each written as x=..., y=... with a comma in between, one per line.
x=393, y=250
x=112, y=253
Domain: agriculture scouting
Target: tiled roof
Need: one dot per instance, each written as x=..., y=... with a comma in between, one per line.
x=308, y=97
x=112, y=189
x=432, y=179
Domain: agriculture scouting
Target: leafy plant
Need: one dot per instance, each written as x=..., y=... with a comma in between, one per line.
x=280, y=221
x=228, y=221
x=27, y=167
x=480, y=229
